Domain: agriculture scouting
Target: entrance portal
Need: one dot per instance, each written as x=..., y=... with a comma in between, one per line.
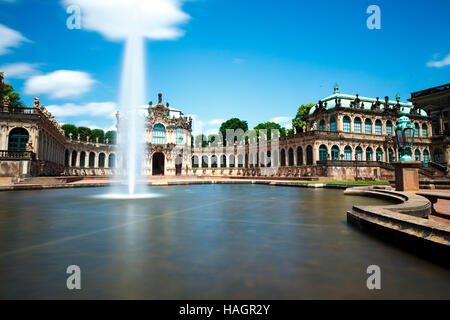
x=158, y=164
x=178, y=165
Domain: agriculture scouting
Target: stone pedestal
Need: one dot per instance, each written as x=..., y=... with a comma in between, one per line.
x=407, y=175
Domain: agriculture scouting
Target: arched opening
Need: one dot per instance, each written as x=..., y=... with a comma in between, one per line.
x=299, y=156
x=91, y=160
x=335, y=153
x=424, y=131
x=426, y=158
x=179, y=135
x=112, y=161
x=323, y=153
x=378, y=127
x=240, y=161
x=231, y=163
x=66, y=158
x=333, y=124
x=268, y=159
x=251, y=160
x=389, y=128
x=283, y=158
x=74, y=159
x=347, y=153
x=368, y=126
x=178, y=165
x=358, y=152
x=322, y=126
x=346, y=124
x=101, y=160
x=214, y=161
x=369, y=154
x=357, y=125
x=390, y=156
x=262, y=159
x=18, y=139
x=291, y=157
x=379, y=154
x=158, y=160
x=205, y=162
x=82, y=159
x=194, y=162
x=309, y=156
x=416, y=130
x=223, y=161
x=417, y=155
x=159, y=134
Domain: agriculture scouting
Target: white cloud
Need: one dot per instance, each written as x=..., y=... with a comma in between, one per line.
x=283, y=121
x=19, y=70
x=90, y=109
x=60, y=84
x=116, y=19
x=93, y=125
x=9, y=38
x=439, y=63
x=216, y=122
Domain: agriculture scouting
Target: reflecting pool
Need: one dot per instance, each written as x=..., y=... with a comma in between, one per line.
x=201, y=242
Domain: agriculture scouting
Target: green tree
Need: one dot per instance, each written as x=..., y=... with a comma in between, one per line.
x=70, y=128
x=85, y=132
x=14, y=97
x=300, y=118
x=234, y=124
x=269, y=126
x=98, y=133
x=111, y=136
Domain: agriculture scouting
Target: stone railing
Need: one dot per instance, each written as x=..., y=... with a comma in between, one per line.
x=16, y=155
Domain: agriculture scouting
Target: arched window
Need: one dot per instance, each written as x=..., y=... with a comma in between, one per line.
x=66, y=158
x=389, y=128
x=424, y=131
x=283, y=158
x=179, y=135
x=240, y=161
x=268, y=159
x=416, y=130
x=323, y=153
x=112, y=161
x=91, y=160
x=378, y=126
x=417, y=155
x=357, y=125
x=438, y=156
x=291, y=157
x=346, y=124
x=223, y=161
x=231, y=164
x=262, y=159
x=426, y=158
x=18, y=139
x=390, y=156
x=101, y=160
x=214, y=161
x=333, y=124
x=322, y=126
x=74, y=159
x=205, y=162
x=359, y=152
x=82, y=159
x=368, y=126
x=159, y=134
x=194, y=162
x=379, y=154
x=335, y=153
x=369, y=154
x=347, y=153
x=309, y=156
x=299, y=156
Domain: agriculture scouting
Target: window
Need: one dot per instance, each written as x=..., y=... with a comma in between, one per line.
x=416, y=130
x=368, y=126
x=335, y=153
x=369, y=154
x=179, y=132
x=417, y=155
x=348, y=153
x=379, y=154
x=205, y=162
x=322, y=125
x=194, y=162
x=240, y=161
x=299, y=156
x=333, y=124
x=357, y=125
x=291, y=157
x=426, y=158
x=424, y=131
x=322, y=153
x=309, y=156
x=389, y=128
x=346, y=126
x=359, y=153
x=112, y=160
x=101, y=160
x=283, y=158
x=214, y=162
x=390, y=156
x=91, y=160
x=18, y=139
x=159, y=134
x=83, y=159
x=231, y=162
x=378, y=127
x=223, y=161
x=74, y=159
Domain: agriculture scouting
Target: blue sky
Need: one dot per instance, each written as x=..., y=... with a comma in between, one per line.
x=256, y=60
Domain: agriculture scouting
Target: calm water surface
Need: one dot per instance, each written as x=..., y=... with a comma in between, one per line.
x=201, y=242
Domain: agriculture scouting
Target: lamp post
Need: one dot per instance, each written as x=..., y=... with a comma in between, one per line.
x=406, y=169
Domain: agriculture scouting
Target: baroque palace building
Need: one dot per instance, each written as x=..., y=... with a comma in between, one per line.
x=346, y=137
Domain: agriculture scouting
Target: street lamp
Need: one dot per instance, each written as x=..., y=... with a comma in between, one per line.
x=404, y=132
